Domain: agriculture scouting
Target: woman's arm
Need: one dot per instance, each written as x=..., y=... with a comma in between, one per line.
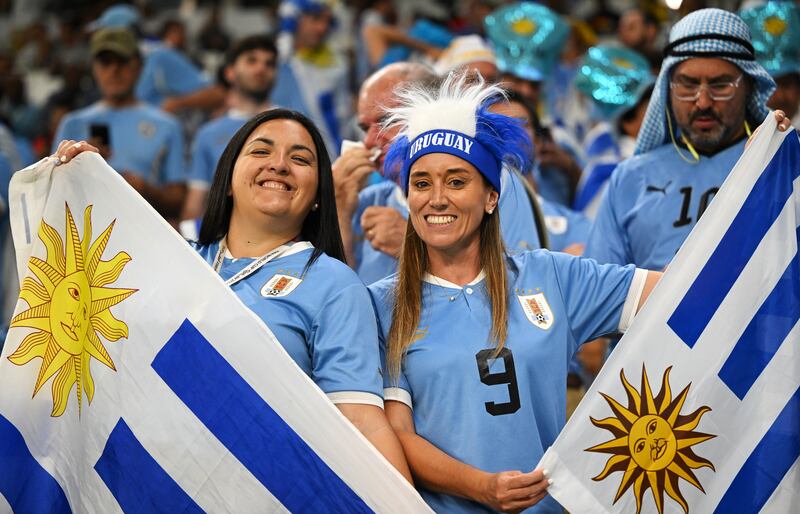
x=372, y=423
x=507, y=491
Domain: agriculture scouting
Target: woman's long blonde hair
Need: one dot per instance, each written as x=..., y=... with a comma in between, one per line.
x=408, y=289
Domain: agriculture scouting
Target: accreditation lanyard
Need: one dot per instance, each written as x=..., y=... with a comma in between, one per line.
x=253, y=266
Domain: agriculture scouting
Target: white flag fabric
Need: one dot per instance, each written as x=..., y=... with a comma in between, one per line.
x=698, y=408
x=134, y=380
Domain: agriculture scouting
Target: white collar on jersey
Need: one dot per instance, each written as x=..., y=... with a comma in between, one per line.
x=433, y=279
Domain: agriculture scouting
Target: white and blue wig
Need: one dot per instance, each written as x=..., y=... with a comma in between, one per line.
x=455, y=119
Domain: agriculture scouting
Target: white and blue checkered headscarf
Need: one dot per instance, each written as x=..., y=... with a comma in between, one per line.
x=705, y=33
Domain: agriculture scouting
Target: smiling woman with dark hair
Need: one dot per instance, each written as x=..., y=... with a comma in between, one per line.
x=271, y=232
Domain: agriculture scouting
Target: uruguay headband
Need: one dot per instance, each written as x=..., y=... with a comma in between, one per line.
x=453, y=143
x=454, y=119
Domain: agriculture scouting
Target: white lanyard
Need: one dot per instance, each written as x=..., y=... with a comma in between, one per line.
x=250, y=268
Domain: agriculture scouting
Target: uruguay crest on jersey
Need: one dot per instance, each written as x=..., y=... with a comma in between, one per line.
x=537, y=310
x=280, y=285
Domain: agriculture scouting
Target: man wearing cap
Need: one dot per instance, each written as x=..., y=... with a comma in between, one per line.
x=708, y=97
x=143, y=144
x=250, y=73
x=373, y=219
x=776, y=38
x=168, y=78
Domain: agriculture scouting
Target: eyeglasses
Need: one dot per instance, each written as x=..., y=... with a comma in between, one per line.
x=717, y=91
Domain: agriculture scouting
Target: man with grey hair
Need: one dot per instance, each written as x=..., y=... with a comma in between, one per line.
x=372, y=219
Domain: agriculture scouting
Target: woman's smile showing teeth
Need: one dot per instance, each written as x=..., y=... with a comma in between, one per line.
x=439, y=220
x=272, y=184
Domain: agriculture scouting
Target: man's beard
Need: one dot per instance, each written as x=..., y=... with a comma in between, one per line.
x=711, y=140
x=258, y=96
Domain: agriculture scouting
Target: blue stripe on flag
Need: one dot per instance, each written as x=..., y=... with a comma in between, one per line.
x=767, y=330
x=767, y=198
x=24, y=483
x=765, y=468
x=136, y=480
x=248, y=427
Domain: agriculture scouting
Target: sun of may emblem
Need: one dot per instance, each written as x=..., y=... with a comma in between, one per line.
x=68, y=306
x=652, y=443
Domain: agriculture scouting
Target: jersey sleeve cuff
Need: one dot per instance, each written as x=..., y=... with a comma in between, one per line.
x=399, y=395
x=632, y=300
x=358, y=397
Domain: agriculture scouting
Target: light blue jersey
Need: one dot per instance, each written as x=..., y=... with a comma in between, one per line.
x=565, y=227
x=516, y=223
x=500, y=414
x=323, y=318
x=605, y=148
x=371, y=264
x=168, y=72
x=652, y=203
x=143, y=140
x=209, y=143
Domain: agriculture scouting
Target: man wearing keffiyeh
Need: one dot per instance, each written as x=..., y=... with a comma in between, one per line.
x=708, y=96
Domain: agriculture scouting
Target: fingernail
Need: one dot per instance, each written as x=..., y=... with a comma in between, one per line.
x=549, y=481
x=63, y=158
x=546, y=472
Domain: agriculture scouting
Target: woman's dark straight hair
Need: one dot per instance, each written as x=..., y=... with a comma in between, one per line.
x=321, y=226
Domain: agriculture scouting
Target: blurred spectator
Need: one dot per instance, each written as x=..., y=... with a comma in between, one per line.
x=617, y=82
x=776, y=38
x=567, y=230
x=71, y=50
x=35, y=52
x=528, y=40
x=566, y=107
x=171, y=80
x=142, y=143
x=312, y=78
x=8, y=148
x=212, y=36
x=638, y=30
x=250, y=73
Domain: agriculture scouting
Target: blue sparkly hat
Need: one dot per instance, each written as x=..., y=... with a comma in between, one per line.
x=614, y=78
x=527, y=39
x=775, y=27
x=454, y=118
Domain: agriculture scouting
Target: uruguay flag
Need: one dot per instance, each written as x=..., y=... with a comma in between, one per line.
x=134, y=380
x=698, y=408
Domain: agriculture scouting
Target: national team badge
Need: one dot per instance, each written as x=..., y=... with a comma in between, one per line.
x=651, y=443
x=280, y=285
x=69, y=308
x=147, y=129
x=537, y=310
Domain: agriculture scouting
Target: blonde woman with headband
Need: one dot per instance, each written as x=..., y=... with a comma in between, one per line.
x=477, y=342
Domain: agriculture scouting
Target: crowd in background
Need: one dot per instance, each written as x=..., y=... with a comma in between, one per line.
x=160, y=88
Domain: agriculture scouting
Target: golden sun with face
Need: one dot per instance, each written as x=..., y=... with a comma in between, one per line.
x=68, y=306
x=652, y=443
